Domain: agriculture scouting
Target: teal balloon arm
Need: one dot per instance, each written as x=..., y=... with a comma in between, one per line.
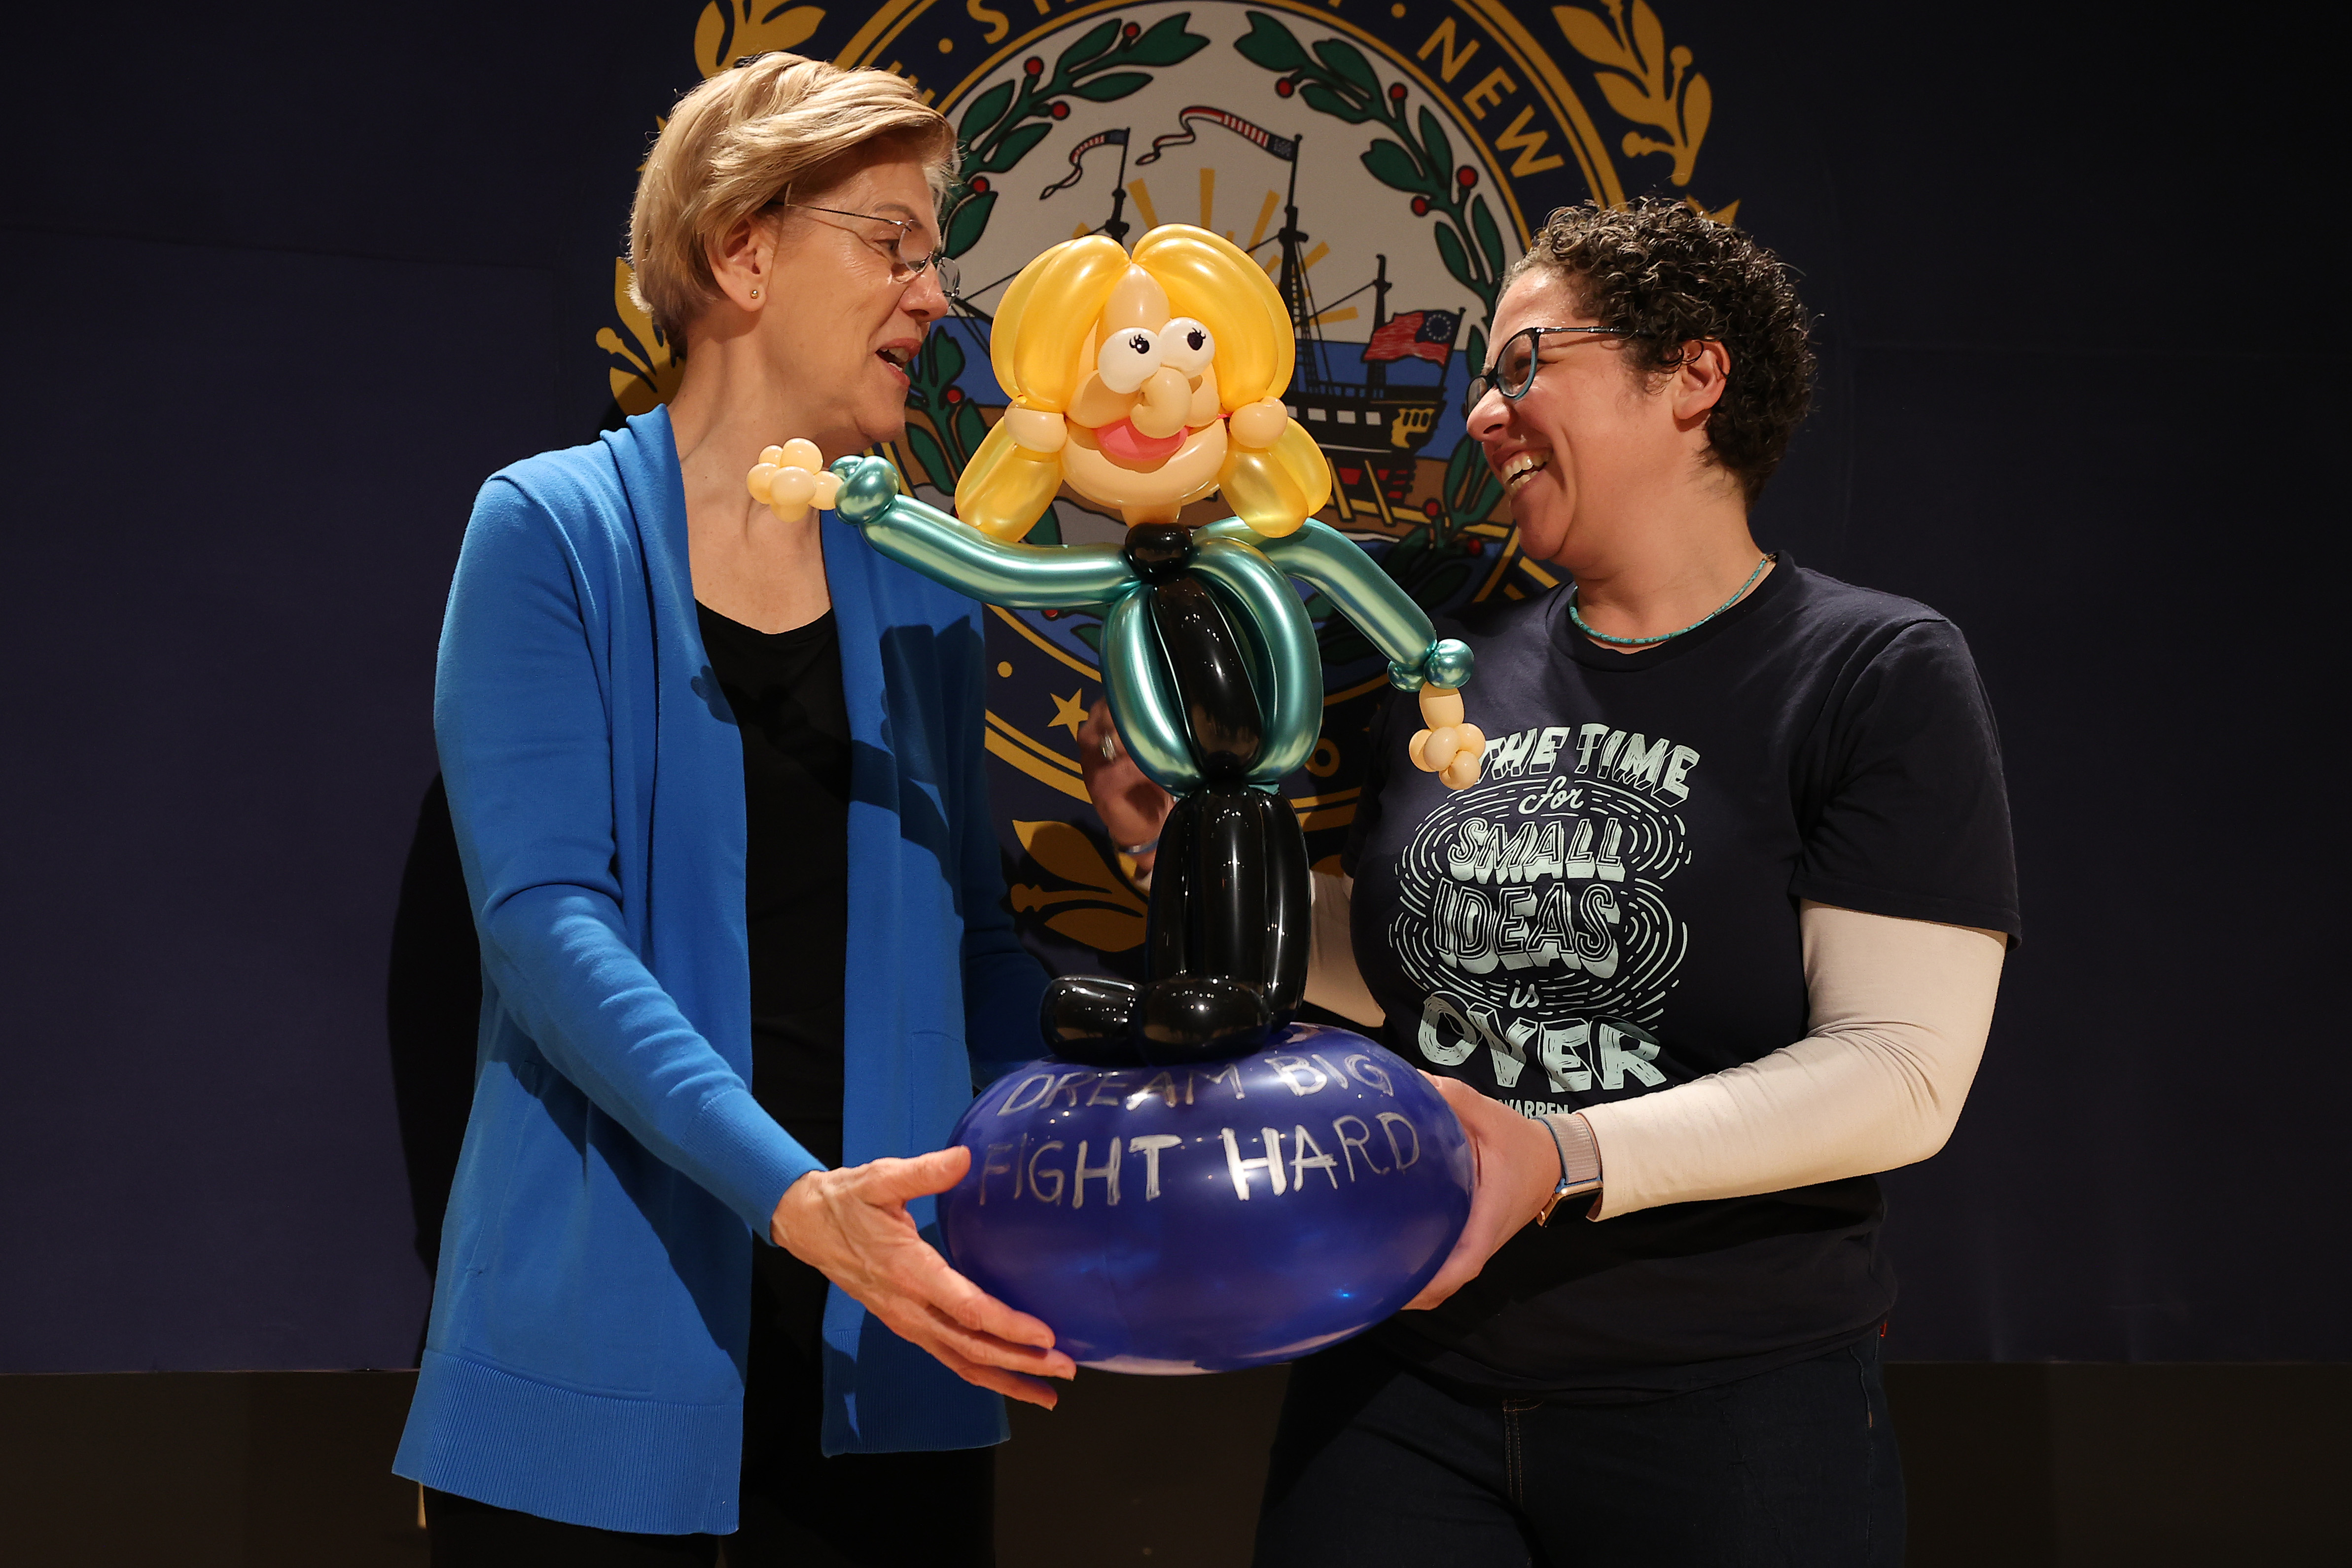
x=1143, y=698
x=1018, y=576
x=1323, y=557
x=1294, y=708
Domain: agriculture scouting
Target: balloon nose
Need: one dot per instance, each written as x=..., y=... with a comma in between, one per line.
x=1161, y=403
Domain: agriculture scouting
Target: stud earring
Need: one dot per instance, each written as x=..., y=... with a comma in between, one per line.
x=755, y=293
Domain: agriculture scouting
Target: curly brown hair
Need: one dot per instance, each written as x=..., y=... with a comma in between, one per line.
x=1665, y=274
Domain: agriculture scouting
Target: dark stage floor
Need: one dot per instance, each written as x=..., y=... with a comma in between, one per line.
x=2027, y=1466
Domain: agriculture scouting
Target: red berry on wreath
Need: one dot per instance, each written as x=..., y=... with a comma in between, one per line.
x=1465, y=177
x=1396, y=91
x=1421, y=206
x=955, y=394
x=1059, y=110
x=1429, y=509
x=1033, y=66
x=980, y=184
x=1284, y=88
x=1130, y=32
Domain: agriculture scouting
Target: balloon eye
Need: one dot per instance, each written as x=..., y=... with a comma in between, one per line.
x=1127, y=360
x=1185, y=346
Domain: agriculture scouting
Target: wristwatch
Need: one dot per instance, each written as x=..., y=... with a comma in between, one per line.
x=1578, y=1175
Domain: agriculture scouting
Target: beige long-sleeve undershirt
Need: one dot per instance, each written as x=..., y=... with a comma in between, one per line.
x=1900, y=1010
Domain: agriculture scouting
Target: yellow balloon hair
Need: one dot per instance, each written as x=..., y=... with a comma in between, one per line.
x=1004, y=490
x=1037, y=353
x=1209, y=279
x=1307, y=465
x=1037, y=347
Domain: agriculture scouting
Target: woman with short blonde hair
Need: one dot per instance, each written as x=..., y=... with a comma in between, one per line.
x=715, y=771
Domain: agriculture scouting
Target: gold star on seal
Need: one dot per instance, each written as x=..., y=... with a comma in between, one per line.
x=1066, y=712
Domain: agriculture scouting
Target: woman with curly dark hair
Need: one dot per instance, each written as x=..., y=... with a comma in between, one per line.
x=1716, y=937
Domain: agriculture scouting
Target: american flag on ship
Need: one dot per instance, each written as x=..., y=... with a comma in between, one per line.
x=1283, y=147
x=1099, y=139
x=1423, y=335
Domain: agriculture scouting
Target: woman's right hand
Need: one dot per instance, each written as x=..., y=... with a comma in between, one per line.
x=1132, y=808
x=852, y=1227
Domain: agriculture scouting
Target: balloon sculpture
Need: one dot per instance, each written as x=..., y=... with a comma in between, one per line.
x=1145, y=383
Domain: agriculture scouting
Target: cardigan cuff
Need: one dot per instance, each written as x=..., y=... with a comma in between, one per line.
x=748, y=1160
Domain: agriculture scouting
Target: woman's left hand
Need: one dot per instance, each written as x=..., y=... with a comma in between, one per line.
x=1518, y=1166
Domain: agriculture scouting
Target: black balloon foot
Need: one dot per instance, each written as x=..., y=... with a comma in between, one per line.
x=1201, y=1017
x=1088, y=1018
x=1101, y=1022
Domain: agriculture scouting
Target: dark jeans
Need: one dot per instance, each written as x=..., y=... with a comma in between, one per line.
x=1377, y=1467
x=799, y=1508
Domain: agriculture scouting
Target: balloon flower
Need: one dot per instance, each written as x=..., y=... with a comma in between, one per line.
x=1145, y=383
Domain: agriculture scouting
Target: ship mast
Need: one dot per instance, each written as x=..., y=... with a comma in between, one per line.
x=1291, y=282
x=1376, y=372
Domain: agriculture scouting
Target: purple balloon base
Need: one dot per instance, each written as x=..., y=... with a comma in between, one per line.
x=1216, y=1216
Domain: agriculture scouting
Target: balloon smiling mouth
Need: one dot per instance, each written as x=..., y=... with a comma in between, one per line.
x=1124, y=443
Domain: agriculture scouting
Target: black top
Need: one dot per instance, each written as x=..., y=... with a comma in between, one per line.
x=1612, y=909
x=784, y=689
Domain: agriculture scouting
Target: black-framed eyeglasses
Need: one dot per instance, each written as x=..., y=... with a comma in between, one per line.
x=905, y=267
x=1513, y=373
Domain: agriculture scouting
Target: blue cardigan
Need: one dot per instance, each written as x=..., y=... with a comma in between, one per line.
x=585, y=1357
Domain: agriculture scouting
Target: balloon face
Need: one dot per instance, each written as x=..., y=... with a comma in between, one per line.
x=1225, y=1214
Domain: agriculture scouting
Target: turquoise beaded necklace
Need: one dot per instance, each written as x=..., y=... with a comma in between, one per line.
x=1644, y=642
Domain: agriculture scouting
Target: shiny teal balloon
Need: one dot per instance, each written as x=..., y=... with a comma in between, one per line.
x=1323, y=557
x=1143, y=698
x=1290, y=687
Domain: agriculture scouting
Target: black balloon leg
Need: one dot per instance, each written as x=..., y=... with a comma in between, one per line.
x=1289, y=907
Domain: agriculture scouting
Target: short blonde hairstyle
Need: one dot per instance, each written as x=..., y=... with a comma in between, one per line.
x=735, y=142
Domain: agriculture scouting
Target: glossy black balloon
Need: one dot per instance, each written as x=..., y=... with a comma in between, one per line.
x=1158, y=551
x=1211, y=675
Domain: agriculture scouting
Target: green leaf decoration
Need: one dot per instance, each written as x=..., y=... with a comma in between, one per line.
x=1164, y=43
x=1478, y=350
x=1456, y=259
x=1490, y=240
x=1457, y=467
x=1112, y=85
x=1471, y=488
x=1323, y=100
x=1094, y=42
x=1434, y=142
x=1392, y=166
x=1347, y=61
x=1014, y=148
x=1087, y=632
x=1269, y=44
x=967, y=223
x=931, y=456
x=986, y=112
x=943, y=360
x=971, y=429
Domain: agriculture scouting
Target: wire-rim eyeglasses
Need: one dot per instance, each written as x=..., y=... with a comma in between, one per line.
x=903, y=270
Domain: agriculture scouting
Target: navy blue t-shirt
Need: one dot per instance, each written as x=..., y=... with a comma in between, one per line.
x=1612, y=909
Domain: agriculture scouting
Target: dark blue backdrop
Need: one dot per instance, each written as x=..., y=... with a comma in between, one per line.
x=285, y=285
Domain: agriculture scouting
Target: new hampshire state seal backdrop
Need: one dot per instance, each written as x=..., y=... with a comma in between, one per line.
x=1384, y=162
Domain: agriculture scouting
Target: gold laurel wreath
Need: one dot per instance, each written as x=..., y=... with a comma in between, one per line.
x=1649, y=84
